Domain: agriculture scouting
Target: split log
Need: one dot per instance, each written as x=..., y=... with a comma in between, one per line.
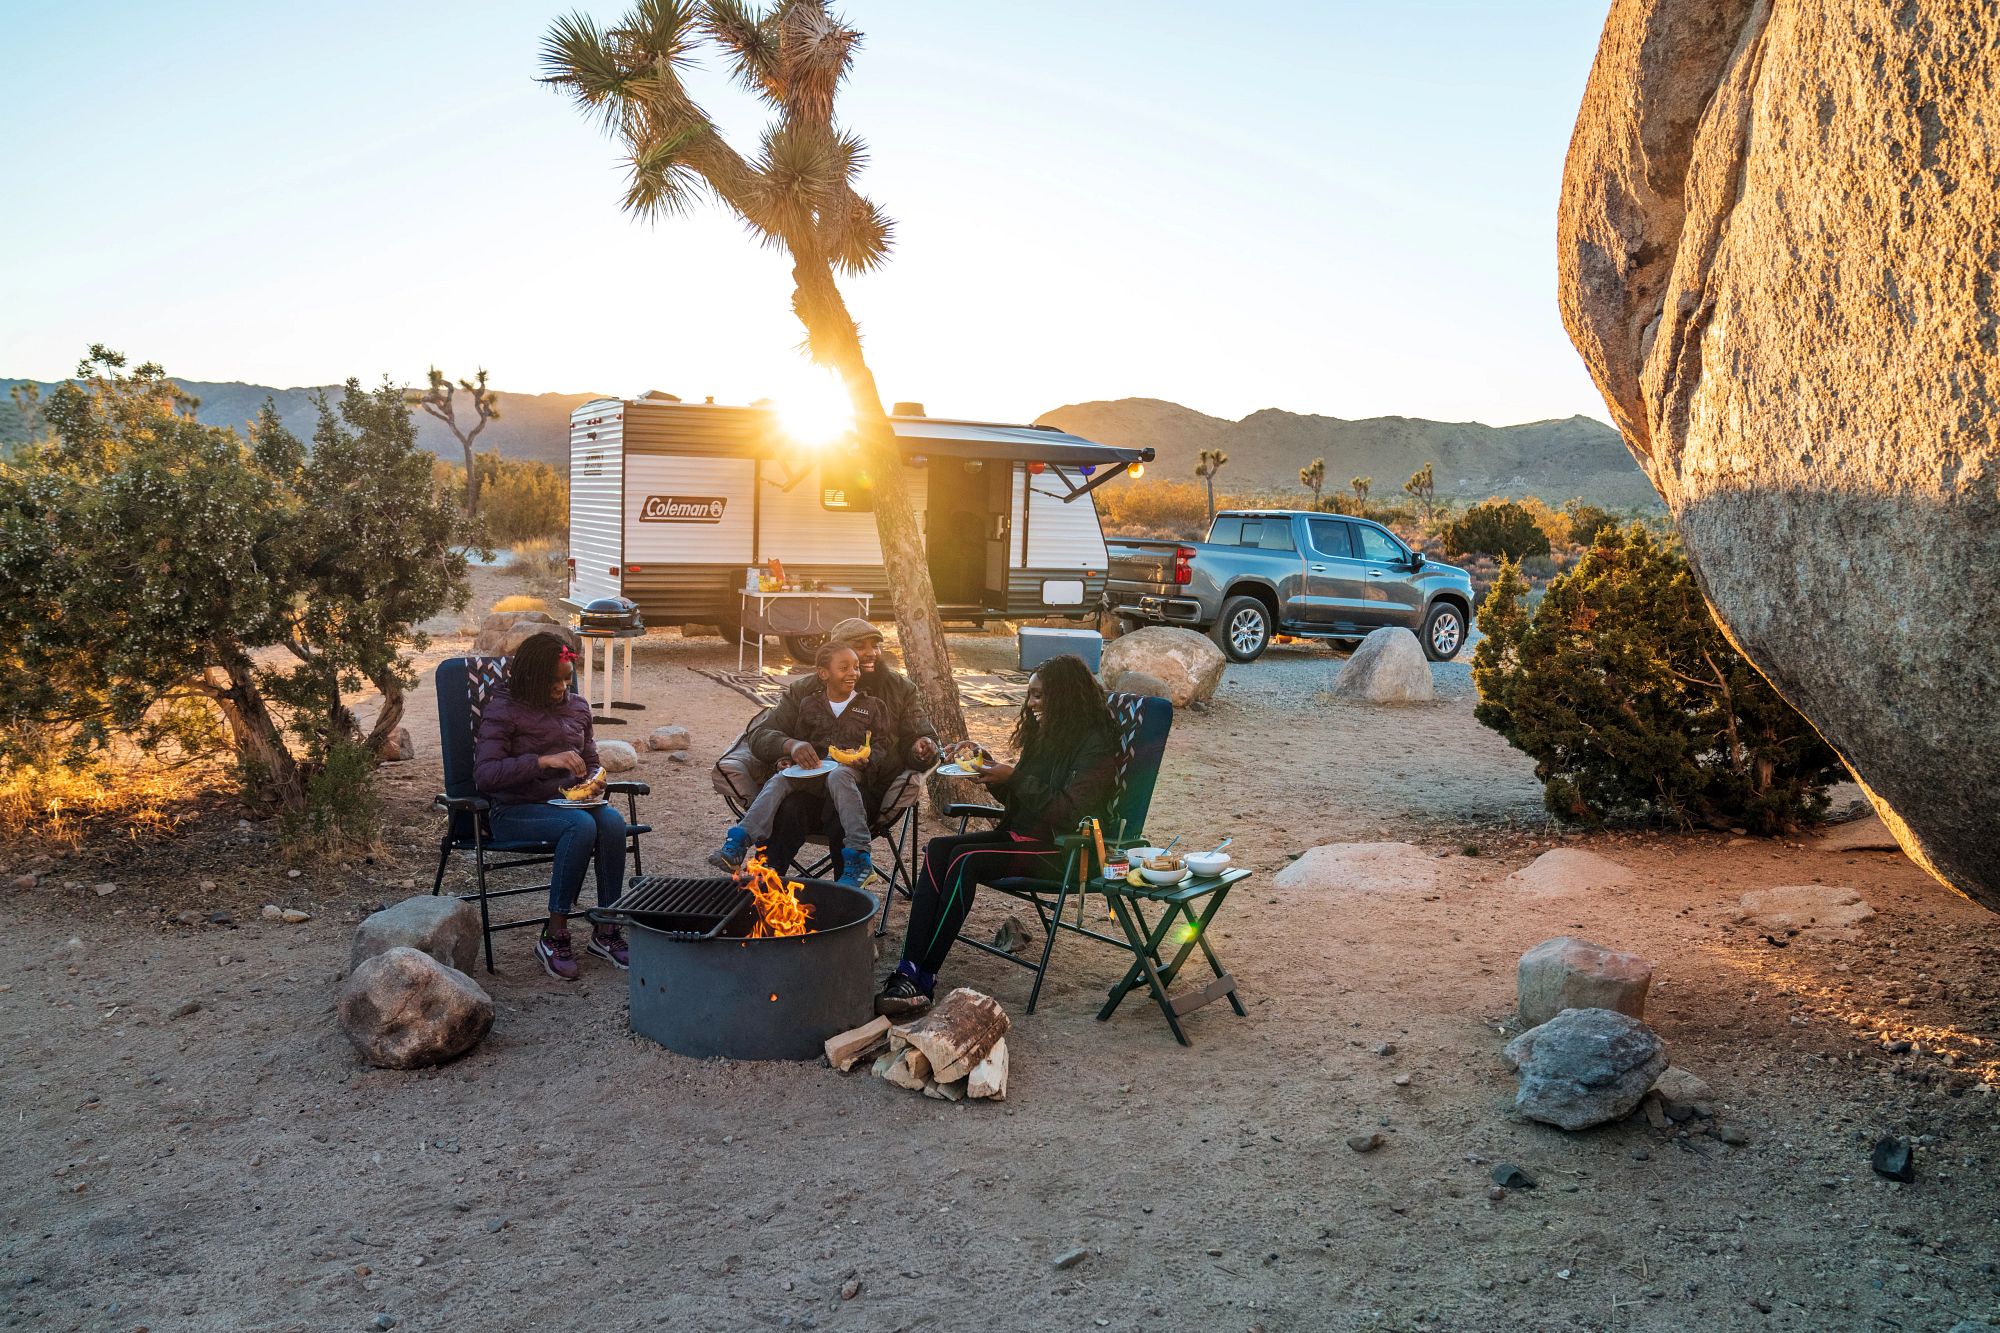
x=945, y=1092
x=908, y=1069
x=880, y=1069
x=989, y=1077
x=849, y=1048
x=957, y=1033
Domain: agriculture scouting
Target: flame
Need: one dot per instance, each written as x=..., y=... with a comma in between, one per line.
x=779, y=911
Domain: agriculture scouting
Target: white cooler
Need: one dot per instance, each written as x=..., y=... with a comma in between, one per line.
x=1039, y=645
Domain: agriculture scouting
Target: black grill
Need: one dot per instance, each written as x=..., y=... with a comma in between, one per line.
x=691, y=908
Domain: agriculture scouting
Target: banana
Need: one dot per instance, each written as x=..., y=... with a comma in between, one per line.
x=841, y=755
x=1135, y=879
x=586, y=789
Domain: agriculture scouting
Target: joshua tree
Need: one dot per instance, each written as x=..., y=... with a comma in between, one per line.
x=1212, y=462
x=1313, y=478
x=1422, y=488
x=437, y=401
x=1361, y=485
x=795, y=193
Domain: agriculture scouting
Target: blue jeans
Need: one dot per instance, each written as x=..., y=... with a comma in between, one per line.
x=579, y=835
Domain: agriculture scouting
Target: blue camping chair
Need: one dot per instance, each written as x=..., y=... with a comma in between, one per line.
x=1143, y=723
x=464, y=684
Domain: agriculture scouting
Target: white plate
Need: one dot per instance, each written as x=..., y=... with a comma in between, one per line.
x=825, y=766
x=956, y=771
x=591, y=804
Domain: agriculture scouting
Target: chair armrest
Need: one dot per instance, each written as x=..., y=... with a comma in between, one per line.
x=455, y=804
x=629, y=787
x=962, y=809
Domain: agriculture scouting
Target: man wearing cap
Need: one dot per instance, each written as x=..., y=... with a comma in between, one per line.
x=916, y=739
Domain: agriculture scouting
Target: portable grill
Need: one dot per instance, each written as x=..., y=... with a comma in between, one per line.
x=610, y=613
x=691, y=909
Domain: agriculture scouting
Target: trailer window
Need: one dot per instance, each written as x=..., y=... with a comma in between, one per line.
x=845, y=488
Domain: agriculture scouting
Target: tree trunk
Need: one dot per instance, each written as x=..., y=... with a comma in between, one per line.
x=391, y=715
x=471, y=477
x=272, y=776
x=836, y=342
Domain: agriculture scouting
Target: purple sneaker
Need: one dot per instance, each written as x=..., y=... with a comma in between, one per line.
x=556, y=957
x=608, y=943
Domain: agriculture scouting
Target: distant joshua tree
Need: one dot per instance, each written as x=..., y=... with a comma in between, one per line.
x=437, y=401
x=1313, y=478
x=1212, y=462
x=1361, y=485
x=1422, y=487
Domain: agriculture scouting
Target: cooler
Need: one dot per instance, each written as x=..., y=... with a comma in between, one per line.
x=1039, y=645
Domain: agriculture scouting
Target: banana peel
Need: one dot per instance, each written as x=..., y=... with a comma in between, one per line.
x=586, y=789
x=844, y=755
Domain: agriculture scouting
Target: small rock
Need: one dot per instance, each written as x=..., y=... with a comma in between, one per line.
x=669, y=739
x=1683, y=1094
x=1402, y=1080
x=1894, y=1158
x=1641, y=1155
x=188, y=917
x=1364, y=1142
x=383, y=1321
x=191, y=1007
x=1733, y=1135
x=273, y=912
x=221, y=919
x=209, y=886
x=398, y=748
x=446, y=928
x=1385, y=1048
x=293, y=874
x=496, y=1225
x=1496, y=1193
x=1508, y=1176
x=292, y=916
x=105, y=889
x=1071, y=1258
x=24, y=883
x=852, y=1287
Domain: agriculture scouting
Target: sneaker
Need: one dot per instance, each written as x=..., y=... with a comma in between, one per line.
x=901, y=996
x=855, y=871
x=735, y=845
x=556, y=956
x=608, y=943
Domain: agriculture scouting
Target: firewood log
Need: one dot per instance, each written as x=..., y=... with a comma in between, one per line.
x=989, y=1077
x=847, y=1049
x=945, y=1092
x=909, y=1069
x=957, y=1033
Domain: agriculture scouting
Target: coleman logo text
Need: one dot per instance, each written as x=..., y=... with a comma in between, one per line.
x=682, y=509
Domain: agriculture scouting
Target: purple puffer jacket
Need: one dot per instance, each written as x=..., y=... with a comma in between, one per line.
x=512, y=738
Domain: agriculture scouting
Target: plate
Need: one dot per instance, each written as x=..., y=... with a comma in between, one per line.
x=591, y=804
x=956, y=771
x=825, y=766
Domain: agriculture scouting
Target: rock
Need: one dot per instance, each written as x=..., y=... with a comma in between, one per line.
x=1817, y=414
x=293, y=874
x=1894, y=1158
x=105, y=889
x=1385, y=1048
x=1508, y=1176
x=1188, y=664
x=1846, y=801
x=669, y=738
x=617, y=756
x=504, y=631
x=1071, y=1258
x=1138, y=682
x=1364, y=1142
x=1866, y=834
x=1569, y=973
x=1585, y=1067
x=272, y=912
x=209, y=886
x=382, y=1321
x=1361, y=867
x=1388, y=668
x=221, y=919
x=292, y=916
x=1820, y=908
x=24, y=883
x=188, y=1008
x=1682, y=1095
x=1013, y=935
x=399, y=748
x=403, y=1009
x=1566, y=870
x=1733, y=1135
x=188, y=917
x=850, y=1289
x=445, y=928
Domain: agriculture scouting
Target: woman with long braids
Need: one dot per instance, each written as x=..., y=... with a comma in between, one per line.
x=1068, y=747
x=534, y=740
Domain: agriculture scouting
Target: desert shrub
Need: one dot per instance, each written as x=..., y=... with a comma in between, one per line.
x=545, y=566
x=342, y=809
x=520, y=500
x=1631, y=701
x=1540, y=567
x=520, y=602
x=1496, y=527
x=1586, y=520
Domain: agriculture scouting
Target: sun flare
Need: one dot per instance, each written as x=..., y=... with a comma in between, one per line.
x=815, y=412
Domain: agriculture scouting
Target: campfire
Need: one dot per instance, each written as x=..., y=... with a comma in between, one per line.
x=779, y=911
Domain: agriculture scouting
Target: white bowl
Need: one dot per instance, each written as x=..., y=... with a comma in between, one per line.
x=1137, y=855
x=1208, y=863
x=1162, y=878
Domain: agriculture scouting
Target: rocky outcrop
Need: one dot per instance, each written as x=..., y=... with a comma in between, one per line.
x=446, y=928
x=1584, y=1067
x=403, y=1009
x=1388, y=668
x=1777, y=239
x=1187, y=664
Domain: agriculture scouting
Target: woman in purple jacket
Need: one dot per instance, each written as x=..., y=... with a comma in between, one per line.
x=534, y=739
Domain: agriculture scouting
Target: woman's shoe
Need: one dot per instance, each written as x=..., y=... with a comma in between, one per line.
x=556, y=956
x=901, y=996
x=608, y=943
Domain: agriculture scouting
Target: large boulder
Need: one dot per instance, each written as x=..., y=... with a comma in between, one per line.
x=504, y=631
x=403, y=1009
x=1568, y=973
x=1388, y=668
x=445, y=928
x=1774, y=242
x=1585, y=1067
x=1188, y=664
x=1361, y=867
x=669, y=739
x=1565, y=870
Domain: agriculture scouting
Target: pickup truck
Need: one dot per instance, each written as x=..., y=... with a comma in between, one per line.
x=1306, y=574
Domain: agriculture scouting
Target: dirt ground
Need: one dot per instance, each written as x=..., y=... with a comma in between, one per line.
x=191, y=1144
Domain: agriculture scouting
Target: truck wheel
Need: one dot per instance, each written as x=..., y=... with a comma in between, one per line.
x=804, y=647
x=1243, y=631
x=1444, y=632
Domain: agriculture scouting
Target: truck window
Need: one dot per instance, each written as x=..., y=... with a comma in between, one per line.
x=1376, y=544
x=1329, y=537
x=1275, y=536
x=1227, y=531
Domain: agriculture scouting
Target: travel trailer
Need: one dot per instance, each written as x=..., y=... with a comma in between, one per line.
x=672, y=502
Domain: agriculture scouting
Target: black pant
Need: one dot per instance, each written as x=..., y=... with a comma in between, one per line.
x=803, y=814
x=952, y=867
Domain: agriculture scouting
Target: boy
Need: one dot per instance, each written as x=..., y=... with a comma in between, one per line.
x=834, y=714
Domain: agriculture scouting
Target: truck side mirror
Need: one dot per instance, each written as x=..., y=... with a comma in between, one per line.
x=1416, y=561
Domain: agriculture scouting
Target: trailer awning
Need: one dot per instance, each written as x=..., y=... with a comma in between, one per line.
x=1018, y=444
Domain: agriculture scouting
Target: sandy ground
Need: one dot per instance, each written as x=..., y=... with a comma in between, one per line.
x=191, y=1144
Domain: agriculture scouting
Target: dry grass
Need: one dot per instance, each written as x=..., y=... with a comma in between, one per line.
x=520, y=602
x=137, y=798
x=544, y=563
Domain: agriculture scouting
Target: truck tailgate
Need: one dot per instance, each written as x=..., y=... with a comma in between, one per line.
x=1147, y=563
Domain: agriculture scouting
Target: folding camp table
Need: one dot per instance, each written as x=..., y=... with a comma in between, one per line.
x=624, y=700
x=794, y=613
x=1190, y=906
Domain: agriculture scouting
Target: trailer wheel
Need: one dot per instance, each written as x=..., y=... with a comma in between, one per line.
x=804, y=648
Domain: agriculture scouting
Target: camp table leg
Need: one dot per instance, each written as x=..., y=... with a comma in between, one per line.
x=1198, y=935
x=1143, y=952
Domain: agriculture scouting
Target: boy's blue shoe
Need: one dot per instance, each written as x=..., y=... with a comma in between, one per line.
x=735, y=844
x=855, y=871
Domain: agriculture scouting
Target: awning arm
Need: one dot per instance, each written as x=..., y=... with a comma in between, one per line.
x=1078, y=492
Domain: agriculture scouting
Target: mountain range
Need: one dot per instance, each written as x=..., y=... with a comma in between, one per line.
x=1555, y=460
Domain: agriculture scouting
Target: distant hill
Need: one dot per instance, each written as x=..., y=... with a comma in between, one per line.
x=1554, y=460
x=530, y=426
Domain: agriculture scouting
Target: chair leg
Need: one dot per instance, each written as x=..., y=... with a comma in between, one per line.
x=485, y=908
x=444, y=859
x=1049, y=945
x=632, y=805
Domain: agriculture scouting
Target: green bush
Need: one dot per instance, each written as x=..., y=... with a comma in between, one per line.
x=1495, y=527
x=1623, y=688
x=1586, y=520
x=520, y=500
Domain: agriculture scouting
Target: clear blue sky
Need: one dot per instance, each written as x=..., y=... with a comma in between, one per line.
x=1345, y=208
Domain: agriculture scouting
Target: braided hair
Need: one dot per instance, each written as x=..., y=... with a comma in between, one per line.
x=534, y=669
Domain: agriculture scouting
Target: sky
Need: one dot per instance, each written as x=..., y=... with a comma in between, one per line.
x=1345, y=208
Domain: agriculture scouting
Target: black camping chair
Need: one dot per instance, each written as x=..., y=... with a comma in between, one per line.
x=739, y=775
x=464, y=684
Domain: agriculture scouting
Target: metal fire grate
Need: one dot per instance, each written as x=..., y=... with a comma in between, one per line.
x=694, y=908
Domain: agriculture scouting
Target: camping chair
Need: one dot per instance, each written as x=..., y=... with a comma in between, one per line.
x=740, y=775
x=1143, y=723
x=463, y=686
